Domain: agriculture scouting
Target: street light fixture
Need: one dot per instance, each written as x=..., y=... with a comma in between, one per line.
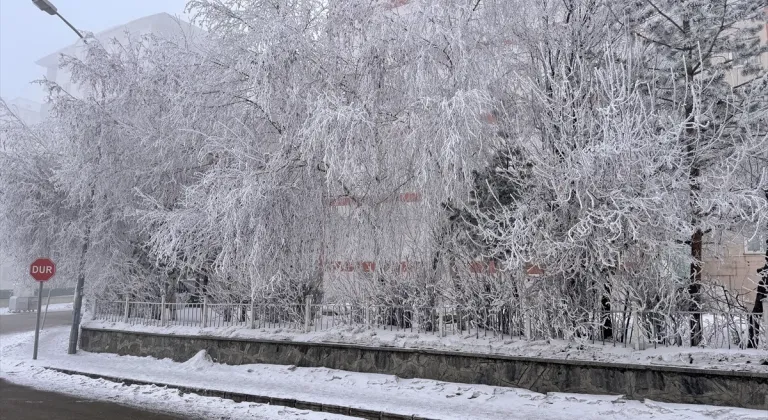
x=45, y=6
x=48, y=7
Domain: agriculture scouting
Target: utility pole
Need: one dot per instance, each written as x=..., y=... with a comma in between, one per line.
x=48, y=7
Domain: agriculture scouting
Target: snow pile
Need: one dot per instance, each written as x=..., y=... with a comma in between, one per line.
x=200, y=361
x=10, y=344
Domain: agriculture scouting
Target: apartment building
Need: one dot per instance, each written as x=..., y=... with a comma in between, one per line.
x=160, y=24
x=732, y=259
x=27, y=110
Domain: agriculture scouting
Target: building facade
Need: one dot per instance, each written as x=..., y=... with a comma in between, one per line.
x=732, y=259
x=27, y=110
x=161, y=24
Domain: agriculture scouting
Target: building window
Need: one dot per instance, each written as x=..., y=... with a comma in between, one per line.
x=752, y=60
x=341, y=201
x=410, y=197
x=756, y=244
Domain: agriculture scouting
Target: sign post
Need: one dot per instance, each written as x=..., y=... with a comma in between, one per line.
x=42, y=269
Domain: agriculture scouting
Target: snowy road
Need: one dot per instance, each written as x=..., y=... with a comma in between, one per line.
x=23, y=403
x=13, y=323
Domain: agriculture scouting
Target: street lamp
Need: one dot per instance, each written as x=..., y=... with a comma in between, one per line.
x=48, y=7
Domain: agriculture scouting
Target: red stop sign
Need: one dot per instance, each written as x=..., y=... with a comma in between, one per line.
x=42, y=269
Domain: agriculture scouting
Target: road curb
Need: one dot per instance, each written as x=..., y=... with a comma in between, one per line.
x=260, y=399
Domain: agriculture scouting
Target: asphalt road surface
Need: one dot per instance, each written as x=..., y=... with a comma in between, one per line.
x=22, y=403
x=13, y=323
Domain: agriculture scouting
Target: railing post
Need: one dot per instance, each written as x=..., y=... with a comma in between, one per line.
x=525, y=322
x=307, y=312
x=125, y=310
x=527, y=330
x=253, y=313
x=162, y=310
x=637, y=337
x=440, y=322
x=205, y=311
x=764, y=326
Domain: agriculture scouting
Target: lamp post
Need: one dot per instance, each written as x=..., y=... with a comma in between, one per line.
x=49, y=8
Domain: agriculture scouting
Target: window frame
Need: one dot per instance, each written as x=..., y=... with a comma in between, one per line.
x=760, y=236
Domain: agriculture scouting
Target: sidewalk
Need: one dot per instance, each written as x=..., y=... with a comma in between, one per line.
x=372, y=392
x=261, y=399
x=17, y=367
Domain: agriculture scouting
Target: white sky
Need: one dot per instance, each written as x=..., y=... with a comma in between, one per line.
x=27, y=34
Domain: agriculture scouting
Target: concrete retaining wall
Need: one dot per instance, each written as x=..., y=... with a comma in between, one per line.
x=660, y=383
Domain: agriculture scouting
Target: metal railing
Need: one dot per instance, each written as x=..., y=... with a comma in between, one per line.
x=616, y=328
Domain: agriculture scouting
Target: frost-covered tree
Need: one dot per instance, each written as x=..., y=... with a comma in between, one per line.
x=330, y=107
x=560, y=222
x=693, y=47
x=412, y=155
x=36, y=217
x=114, y=156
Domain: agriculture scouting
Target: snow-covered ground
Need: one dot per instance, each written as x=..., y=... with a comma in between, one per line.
x=422, y=397
x=725, y=359
x=54, y=307
x=17, y=366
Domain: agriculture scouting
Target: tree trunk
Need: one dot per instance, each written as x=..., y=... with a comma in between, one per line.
x=694, y=288
x=77, y=307
x=757, y=311
x=605, y=303
x=205, y=285
x=694, y=184
x=697, y=239
x=170, y=293
x=243, y=312
x=762, y=293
